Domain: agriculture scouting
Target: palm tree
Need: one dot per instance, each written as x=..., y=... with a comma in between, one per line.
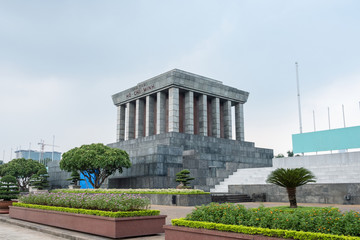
x=291, y=178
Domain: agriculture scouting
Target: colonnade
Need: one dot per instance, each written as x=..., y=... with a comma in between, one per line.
x=177, y=110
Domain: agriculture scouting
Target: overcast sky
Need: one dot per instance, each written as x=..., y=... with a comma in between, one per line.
x=60, y=62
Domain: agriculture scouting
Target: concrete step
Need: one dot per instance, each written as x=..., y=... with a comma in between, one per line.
x=323, y=174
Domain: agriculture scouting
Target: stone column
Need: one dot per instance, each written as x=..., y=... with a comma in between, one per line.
x=173, y=110
x=149, y=116
x=203, y=127
x=160, y=113
x=215, y=115
x=189, y=112
x=239, y=121
x=130, y=121
x=139, y=118
x=227, y=120
x=120, y=132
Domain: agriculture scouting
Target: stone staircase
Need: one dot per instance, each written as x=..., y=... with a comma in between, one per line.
x=329, y=168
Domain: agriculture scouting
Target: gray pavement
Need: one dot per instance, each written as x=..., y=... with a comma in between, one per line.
x=11, y=229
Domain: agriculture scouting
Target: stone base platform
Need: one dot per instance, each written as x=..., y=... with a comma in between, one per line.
x=332, y=193
x=156, y=160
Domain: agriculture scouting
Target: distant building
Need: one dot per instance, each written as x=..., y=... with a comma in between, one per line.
x=36, y=155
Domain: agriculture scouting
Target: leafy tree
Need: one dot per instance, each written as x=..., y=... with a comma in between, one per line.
x=184, y=177
x=39, y=180
x=75, y=177
x=8, y=188
x=95, y=161
x=280, y=155
x=22, y=169
x=291, y=178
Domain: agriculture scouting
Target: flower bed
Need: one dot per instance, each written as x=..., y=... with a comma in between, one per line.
x=307, y=223
x=139, y=213
x=110, y=215
x=209, y=231
x=135, y=191
x=98, y=201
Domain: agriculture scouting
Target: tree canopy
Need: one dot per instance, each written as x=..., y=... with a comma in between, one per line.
x=22, y=169
x=95, y=161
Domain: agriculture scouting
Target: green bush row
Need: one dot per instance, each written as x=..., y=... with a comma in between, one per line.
x=320, y=220
x=92, y=212
x=290, y=234
x=96, y=201
x=135, y=191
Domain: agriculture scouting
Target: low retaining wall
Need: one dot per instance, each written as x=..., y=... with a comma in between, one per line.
x=178, y=199
x=311, y=193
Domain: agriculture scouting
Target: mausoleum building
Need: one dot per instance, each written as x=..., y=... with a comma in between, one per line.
x=179, y=120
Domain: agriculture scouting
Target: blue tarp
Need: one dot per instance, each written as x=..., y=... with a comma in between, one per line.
x=84, y=183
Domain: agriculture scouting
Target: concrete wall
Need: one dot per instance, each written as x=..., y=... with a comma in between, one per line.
x=320, y=160
x=310, y=193
x=57, y=177
x=180, y=199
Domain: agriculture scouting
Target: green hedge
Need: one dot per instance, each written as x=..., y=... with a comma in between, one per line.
x=92, y=212
x=136, y=191
x=317, y=220
x=287, y=234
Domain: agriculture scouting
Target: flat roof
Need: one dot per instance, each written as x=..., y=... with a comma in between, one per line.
x=182, y=80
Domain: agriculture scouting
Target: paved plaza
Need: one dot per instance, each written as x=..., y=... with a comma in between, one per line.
x=11, y=229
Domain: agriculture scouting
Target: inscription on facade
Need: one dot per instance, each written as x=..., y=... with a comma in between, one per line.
x=140, y=89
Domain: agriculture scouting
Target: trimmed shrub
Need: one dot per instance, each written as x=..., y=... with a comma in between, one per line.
x=318, y=220
x=287, y=234
x=8, y=188
x=92, y=212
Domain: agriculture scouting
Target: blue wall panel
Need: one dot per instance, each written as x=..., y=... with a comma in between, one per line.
x=334, y=139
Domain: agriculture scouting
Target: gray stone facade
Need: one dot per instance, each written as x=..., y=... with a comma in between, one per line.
x=156, y=159
x=180, y=120
x=331, y=193
x=57, y=177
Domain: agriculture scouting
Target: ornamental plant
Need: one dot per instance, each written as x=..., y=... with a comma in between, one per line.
x=96, y=201
x=291, y=178
x=8, y=188
x=317, y=220
x=39, y=180
x=184, y=177
x=75, y=178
